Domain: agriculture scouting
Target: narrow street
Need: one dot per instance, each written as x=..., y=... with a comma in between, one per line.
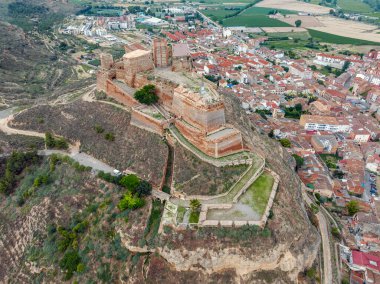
x=323, y=227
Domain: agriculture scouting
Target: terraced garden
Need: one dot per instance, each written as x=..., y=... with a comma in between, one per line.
x=251, y=205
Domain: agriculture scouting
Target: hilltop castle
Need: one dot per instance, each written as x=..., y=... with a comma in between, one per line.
x=194, y=108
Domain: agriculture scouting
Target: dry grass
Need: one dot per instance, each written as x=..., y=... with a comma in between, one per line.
x=294, y=5
x=133, y=148
x=196, y=177
x=348, y=28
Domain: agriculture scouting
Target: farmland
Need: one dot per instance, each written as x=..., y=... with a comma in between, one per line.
x=294, y=6
x=331, y=38
x=253, y=21
x=219, y=14
x=249, y=16
x=354, y=6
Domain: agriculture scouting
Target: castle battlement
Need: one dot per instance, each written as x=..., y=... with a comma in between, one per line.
x=196, y=106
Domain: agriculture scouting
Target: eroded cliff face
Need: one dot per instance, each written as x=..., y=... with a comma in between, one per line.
x=209, y=262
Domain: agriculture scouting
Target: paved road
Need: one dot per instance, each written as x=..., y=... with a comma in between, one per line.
x=324, y=230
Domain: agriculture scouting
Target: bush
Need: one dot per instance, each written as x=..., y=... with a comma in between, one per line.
x=130, y=182
x=98, y=128
x=70, y=262
x=56, y=143
x=147, y=95
x=335, y=232
x=311, y=273
x=143, y=189
x=109, y=136
x=15, y=164
x=285, y=143
x=352, y=207
x=130, y=202
x=299, y=160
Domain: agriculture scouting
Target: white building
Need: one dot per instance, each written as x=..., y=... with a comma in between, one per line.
x=329, y=60
x=325, y=123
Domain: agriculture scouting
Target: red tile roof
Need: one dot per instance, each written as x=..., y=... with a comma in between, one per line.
x=366, y=260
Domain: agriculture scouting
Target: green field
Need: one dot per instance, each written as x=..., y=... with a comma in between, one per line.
x=219, y=14
x=253, y=21
x=222, y=2
x=251, y=17
x=354, y=6
x=252, y=11
x=299, y=35
x=330, y=38
x=258, y=193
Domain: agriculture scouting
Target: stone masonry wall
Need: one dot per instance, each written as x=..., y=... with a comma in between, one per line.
x=147, y=122
x=120, y=95
x=207, y=119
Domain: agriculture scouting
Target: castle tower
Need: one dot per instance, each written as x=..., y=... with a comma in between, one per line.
x=161, y=53
x=105, y=72
x=106, y=61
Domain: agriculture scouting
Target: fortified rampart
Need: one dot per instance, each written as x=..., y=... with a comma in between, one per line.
x=193, y=109
x=198, y=110
x=147, y=122
x=135, y=62
x=119, y=94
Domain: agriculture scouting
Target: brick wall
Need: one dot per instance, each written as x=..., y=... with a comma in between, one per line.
x=120, y=95
x=147, y=122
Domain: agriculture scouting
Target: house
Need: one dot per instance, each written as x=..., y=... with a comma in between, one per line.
x=324, y=123
x=329, y=60
x=324, y=144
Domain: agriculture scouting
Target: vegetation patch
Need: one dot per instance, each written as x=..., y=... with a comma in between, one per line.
x=331, y=38
x=193, y=176
x=133, y=148
x=258, y=193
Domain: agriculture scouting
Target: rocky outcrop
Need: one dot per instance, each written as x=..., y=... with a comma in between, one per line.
x=210, y=262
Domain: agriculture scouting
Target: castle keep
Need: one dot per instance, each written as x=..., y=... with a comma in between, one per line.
x=194, y=108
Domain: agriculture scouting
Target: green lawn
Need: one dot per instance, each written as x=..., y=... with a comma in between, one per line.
x=354, y=6
x=253, y=21
x=258, y=193
x=331, y=38
x=194, y=217
x=253, y=11
x=180, y=213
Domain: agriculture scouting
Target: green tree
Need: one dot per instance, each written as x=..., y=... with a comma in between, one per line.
x=143, y=189
x=299, y=160
x=352, y=207
x=130, y=202
x=298, y=23
x=285, y=143
x=70, y=262
x=49, y=140
x=147, y=95
x=195, y=205
x=130, y=182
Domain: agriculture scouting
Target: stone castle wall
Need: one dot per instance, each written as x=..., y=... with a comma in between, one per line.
x=164, y=89
x=181, y=64
x=207, y=119
x=147, y=122
x=229, y=145
x=120, y=95
x=102, y=77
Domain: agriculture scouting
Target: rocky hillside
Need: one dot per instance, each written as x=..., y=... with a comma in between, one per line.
x=127, y=147
x=278, y=254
